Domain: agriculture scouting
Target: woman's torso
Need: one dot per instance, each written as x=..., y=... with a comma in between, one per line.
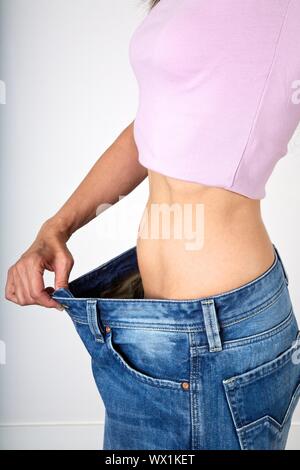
x=196, y=240
x=218, y=104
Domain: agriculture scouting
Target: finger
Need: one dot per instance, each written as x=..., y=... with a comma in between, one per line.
x=14, y=299
x=10, y=293
x=40, y=294
x=19, y=290
x=45, y=300
x=10, y=287
x=50, y=291
x=62, y=271
x=25, y=284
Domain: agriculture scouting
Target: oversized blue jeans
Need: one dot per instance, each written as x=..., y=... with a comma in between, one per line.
x=217, y=372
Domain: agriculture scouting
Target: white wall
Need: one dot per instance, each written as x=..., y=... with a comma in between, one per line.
x=70, y=90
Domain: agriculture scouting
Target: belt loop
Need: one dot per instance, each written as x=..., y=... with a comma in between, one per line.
x=211, y=325
x=92, y=316
x=282, y=265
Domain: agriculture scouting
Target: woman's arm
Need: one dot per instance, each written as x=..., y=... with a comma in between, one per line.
x=115, y=174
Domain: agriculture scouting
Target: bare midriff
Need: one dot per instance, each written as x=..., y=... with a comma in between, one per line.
x=197, y=241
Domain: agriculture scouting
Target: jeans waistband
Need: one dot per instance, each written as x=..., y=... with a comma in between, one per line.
x=120, y=277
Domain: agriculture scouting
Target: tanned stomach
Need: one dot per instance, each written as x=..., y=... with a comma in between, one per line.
x=196, y=241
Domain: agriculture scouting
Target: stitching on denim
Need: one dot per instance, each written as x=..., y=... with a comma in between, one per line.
x=259, y=336
x=210, y=333
x=260, y=309
x=236, y=343
x=243, y=442
x=199, y=418
x=194, y=402
x=215, y=333
x=91, y=311
x=150, y=381
x=79, y=320
x=143, y=326
x=181, y=327
x=155, y=382
x=192, y=405
x=199, y=349
x=233, y=412
x=264, y=370
x=255, y=424
x=202, y=348
x=225, y=324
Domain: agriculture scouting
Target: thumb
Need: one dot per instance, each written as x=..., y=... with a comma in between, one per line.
x=62, y=272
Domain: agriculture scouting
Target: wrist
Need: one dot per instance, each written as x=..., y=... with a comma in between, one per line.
x=58, y=226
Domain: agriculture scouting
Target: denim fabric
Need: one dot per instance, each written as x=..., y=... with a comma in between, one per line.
x=218, y=372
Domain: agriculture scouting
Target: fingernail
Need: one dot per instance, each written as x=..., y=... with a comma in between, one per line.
x=60, y=308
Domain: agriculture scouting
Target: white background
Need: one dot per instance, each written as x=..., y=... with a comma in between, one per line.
x=70, y=91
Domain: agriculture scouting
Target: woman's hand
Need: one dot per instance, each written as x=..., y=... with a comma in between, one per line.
x=25, y=283
x=117, y=172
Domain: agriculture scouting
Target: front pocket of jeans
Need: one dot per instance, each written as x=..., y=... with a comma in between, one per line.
x=134, y=365
x=262, y=400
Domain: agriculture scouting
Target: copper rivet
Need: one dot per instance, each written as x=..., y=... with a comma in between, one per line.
x=107, y=329
x=185, y=385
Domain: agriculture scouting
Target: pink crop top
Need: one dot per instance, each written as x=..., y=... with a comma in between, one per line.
x=219, y=89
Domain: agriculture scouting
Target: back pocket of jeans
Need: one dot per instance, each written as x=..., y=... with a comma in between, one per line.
x=155, y=357
x=262, y=400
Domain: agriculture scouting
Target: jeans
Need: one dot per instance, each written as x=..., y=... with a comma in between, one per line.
x=217, y=372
